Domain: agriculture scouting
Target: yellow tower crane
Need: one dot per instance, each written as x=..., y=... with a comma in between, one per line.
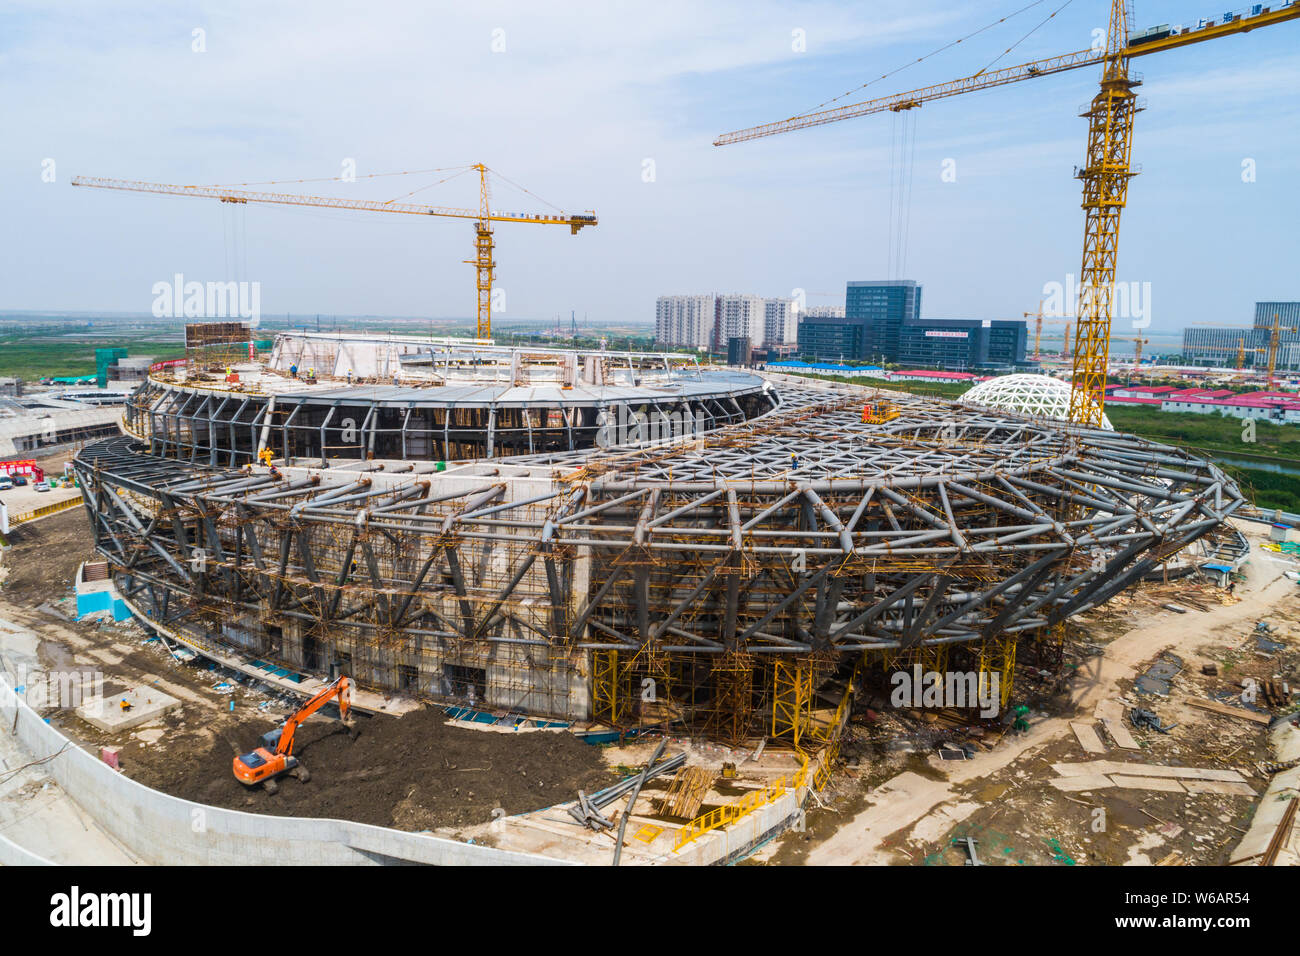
x=1239, y=351
x=1038, y=327
x=1138, y=342
x=1105, y=173
x=1274, y=341
x=1040, y=318
x=483, y=217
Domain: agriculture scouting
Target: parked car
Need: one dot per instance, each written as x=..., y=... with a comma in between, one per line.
x=19, y=481
x=42, y=486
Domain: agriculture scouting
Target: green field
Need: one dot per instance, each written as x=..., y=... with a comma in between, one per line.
x=1224, y=435
x=1208, y=432
x=33, y=358
x=932, y=389
x=1268, y=489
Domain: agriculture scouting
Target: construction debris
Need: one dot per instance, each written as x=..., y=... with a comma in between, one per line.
x=1215, y=707
x=1147, y=719
x=586, y=810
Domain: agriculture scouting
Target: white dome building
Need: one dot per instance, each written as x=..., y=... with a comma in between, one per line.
x=1039, y=395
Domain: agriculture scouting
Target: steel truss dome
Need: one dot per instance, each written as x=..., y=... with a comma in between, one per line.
x=1038, y=395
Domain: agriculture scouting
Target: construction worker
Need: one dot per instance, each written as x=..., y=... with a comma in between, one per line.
x=265, y=455
x=124, y=704
x=293, y=370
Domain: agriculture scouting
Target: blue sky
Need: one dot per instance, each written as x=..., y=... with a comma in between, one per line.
x=579, y=98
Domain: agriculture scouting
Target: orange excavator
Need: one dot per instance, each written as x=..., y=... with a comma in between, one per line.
x=263, y=765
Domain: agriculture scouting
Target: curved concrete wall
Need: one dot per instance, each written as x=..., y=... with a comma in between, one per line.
x=168, y=830
x=11, y=854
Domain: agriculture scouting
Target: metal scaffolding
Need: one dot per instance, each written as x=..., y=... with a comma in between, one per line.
x=729, y=573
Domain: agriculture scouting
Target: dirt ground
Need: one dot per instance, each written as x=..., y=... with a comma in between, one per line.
x=46, y=553
x=897, y=803
x=414, y=773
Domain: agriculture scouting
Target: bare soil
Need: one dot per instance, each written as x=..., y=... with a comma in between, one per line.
x=45, y=556
x=413, y=772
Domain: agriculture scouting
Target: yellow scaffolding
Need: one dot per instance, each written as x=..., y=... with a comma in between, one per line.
x=611, y=692
x=998, y=657
x=791, y=701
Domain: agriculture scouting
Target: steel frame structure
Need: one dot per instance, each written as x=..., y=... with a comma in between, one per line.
x=222, y=426
x=805, y=536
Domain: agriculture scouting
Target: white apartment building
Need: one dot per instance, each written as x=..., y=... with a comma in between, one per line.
x=708, y=321
x=685, y=320
x=740, y=315
x=825, y=312
x=780, y=322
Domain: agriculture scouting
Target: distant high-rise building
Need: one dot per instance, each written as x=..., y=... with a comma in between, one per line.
x=685, y=320
x=739, y=316
x=881, y=322
x=883, y=307
x=710, y=321
x=1218, y=346
x=1288, y=316
x=962, y=344
x=780, y=322
x=869, y=325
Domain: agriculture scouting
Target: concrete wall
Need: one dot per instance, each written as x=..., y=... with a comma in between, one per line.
x=163, y=829
x=11, y=854
x=738, y=840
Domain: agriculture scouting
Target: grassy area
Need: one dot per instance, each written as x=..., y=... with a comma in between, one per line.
x=32, y=358
x=1224, y=435
x=1268, y=489
x=933, y=389
x=1210, y=432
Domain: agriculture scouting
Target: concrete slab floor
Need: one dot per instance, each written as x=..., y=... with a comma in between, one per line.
x=143, y=705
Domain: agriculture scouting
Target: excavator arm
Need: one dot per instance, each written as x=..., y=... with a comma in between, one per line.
x=341, y=688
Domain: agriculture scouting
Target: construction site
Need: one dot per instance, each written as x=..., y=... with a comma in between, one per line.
x=736, y=571
x=373, y=598
x=694, y=640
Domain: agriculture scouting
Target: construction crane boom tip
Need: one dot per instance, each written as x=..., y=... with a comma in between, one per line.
x=483, y=261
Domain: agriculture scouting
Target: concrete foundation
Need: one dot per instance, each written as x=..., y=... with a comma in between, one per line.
x=144, y=706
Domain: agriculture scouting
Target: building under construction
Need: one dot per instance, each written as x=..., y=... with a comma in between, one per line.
x=616, y=537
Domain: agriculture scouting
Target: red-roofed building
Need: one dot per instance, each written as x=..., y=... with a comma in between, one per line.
x=1271, y=406
x=1119, y=400
x=1143, y=391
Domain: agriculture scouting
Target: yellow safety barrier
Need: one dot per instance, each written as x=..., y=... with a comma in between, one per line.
x=820, y=771
x=731, y=812
x=44, y=511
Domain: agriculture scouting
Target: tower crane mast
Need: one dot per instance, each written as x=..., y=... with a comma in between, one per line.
x=1105, y=174
x=483, y=218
